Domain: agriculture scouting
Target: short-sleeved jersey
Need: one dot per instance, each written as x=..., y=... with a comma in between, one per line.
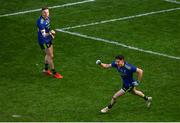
x=126, y=73
x=43, y=24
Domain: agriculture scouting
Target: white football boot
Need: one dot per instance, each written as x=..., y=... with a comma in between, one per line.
x=148, y=102
x=105, y=110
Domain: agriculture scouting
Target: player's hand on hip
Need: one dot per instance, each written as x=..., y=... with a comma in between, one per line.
x=52, y=33
x=135, y=83
x=98, y=62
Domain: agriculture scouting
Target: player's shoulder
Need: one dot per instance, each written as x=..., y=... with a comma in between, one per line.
x=128, y=66
x=113, y=64
x=40, y=20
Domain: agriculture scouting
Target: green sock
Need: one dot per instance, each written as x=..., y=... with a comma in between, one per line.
x=53, y=71
x=46, y=66
x=110, y=106
x=145, y=97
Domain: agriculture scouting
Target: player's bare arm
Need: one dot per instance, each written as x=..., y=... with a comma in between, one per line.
x=105, y=65
x=139, y=74
x=98, y=62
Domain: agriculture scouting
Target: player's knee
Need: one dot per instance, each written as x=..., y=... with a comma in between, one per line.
x=134, y=91
x=51, y=56
x=114, y=98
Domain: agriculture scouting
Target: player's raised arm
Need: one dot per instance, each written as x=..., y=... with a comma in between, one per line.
x=139, y=74
x=98, y=62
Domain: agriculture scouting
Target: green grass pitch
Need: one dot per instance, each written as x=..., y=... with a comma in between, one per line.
x=86, y=88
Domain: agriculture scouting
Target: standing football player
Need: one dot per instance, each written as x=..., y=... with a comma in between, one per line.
x=126, y=71
x=45, y=37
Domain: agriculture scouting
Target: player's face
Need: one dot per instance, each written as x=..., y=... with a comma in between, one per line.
x=119, y=62
x=45, y=13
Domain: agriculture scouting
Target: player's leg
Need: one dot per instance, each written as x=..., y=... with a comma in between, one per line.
x=138, y=93
x=115, y=96
x=50, y=53
x=142, y=95
x=113, y=100
x=46, y=68
x=46, y=60
x=50, y=56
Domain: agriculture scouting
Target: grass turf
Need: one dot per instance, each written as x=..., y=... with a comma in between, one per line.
x=86, y=88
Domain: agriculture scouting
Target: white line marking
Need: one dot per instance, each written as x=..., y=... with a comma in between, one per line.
x=16, y=116
x=52, y=7
x=122, y=18
x=117, y=43
x=172, y=1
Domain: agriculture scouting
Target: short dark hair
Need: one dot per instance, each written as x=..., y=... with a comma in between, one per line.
x=120, y=57
x=44, y=8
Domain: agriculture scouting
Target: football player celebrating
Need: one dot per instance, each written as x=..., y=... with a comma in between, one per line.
x=45, y=37
x=126, y=71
